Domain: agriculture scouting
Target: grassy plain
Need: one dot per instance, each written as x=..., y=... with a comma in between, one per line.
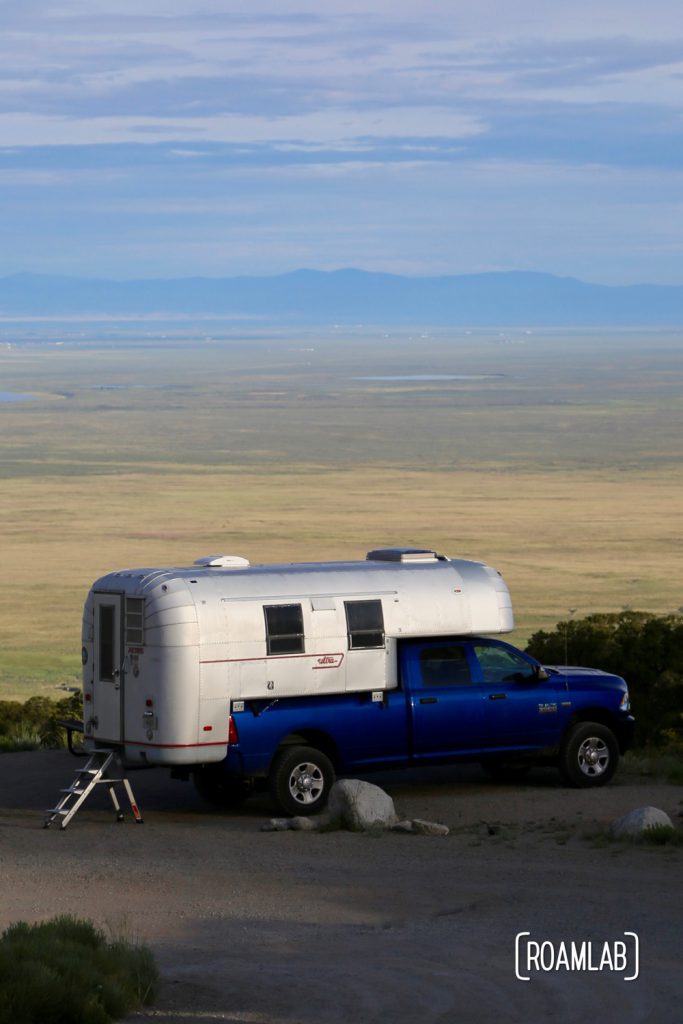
x=553, y=456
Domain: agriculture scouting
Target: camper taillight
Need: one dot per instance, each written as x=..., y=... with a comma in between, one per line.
x=232, y=732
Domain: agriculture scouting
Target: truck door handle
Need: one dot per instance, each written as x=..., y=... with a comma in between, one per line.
x=428, y=700
x=497, y=696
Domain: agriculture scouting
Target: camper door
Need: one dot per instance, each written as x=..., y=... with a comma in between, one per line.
x=108, y=669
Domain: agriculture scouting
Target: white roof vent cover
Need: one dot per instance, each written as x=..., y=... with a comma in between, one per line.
x=401, y=555
x=223, y=562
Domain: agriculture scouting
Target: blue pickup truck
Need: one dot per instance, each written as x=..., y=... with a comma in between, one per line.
x=457, y=699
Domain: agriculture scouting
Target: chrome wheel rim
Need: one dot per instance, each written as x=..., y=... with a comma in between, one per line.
x=306, y=783
x=593, y=756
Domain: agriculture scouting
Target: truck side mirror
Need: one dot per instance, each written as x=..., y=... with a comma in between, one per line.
x=542, y=674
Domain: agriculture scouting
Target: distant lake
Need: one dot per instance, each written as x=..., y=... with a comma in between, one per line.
x=422, y=377
x=14, y=396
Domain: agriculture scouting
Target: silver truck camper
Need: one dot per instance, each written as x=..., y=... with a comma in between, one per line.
x=167, y=653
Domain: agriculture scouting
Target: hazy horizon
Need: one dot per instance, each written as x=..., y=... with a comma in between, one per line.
x=521, y=299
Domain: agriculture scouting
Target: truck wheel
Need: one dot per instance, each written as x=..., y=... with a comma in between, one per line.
x=300, y=780
x=220, y=789
x=589, y=755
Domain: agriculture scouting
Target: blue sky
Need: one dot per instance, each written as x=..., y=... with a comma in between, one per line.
x=177, y=138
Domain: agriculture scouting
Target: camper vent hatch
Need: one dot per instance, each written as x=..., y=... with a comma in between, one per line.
x=401, y=555
x=223, y=562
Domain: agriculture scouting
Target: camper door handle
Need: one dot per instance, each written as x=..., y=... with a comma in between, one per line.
x=116, y=673
x=428, y=700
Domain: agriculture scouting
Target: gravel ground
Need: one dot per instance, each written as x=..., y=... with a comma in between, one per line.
x=299, y=928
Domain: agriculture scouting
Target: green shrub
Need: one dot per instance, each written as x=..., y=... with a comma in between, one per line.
x=646, y=649
x=655, y=835
x=33, y=724
x=65, y=971
x=661, y=835
x=665, y=762
x=19, y=739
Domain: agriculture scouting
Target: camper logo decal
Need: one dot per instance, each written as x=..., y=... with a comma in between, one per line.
x=328, y=661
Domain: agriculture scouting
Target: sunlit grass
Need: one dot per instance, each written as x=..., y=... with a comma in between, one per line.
x=563, y=471
x=579, y=541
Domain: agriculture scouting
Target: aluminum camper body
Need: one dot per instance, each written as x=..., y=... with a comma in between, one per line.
x=168, y=653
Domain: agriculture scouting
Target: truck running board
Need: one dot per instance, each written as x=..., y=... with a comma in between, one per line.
x=95, y=773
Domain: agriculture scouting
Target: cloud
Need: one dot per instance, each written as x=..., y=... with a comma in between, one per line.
x=340, y=128
x=111, y=72
x=432, y=134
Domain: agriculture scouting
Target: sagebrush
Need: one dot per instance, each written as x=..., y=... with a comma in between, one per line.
x=66, y=971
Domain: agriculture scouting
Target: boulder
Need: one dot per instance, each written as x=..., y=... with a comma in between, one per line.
x=360, y=806
x=638, y=821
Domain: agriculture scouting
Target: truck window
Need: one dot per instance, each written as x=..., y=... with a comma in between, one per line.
x=284, y=628
x=445, y=666
x=365, y=623
x=499, y=665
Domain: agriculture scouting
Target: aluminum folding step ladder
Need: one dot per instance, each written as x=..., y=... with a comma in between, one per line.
x=95, y=773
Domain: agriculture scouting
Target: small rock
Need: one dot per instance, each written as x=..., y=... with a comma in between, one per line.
x=360, y=806
x=277, y=825
x=638, y=821
x=403, y=826
x=429, y=828
x=303, y=824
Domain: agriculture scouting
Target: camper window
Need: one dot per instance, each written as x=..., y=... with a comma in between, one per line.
x=365, y=624
x=284, y=628
x=107, y=626
x=135, y=607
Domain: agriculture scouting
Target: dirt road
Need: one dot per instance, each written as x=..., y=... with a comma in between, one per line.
x=295, y=928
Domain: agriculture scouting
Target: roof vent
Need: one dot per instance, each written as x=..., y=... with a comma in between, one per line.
x=401, y=555
x=223, y=562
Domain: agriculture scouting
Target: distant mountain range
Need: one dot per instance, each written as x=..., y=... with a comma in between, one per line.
x=351, y=296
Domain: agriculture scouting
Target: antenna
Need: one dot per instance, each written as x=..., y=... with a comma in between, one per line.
x=566, y=635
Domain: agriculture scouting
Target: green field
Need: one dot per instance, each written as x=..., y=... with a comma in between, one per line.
x=553, y=456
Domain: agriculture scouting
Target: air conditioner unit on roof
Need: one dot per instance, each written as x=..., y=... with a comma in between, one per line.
x=401, y=555
x=223, y=562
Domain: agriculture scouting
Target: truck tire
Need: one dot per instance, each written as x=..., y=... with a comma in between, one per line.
x=589, y=755
x=220, y=789
x=300, y=780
